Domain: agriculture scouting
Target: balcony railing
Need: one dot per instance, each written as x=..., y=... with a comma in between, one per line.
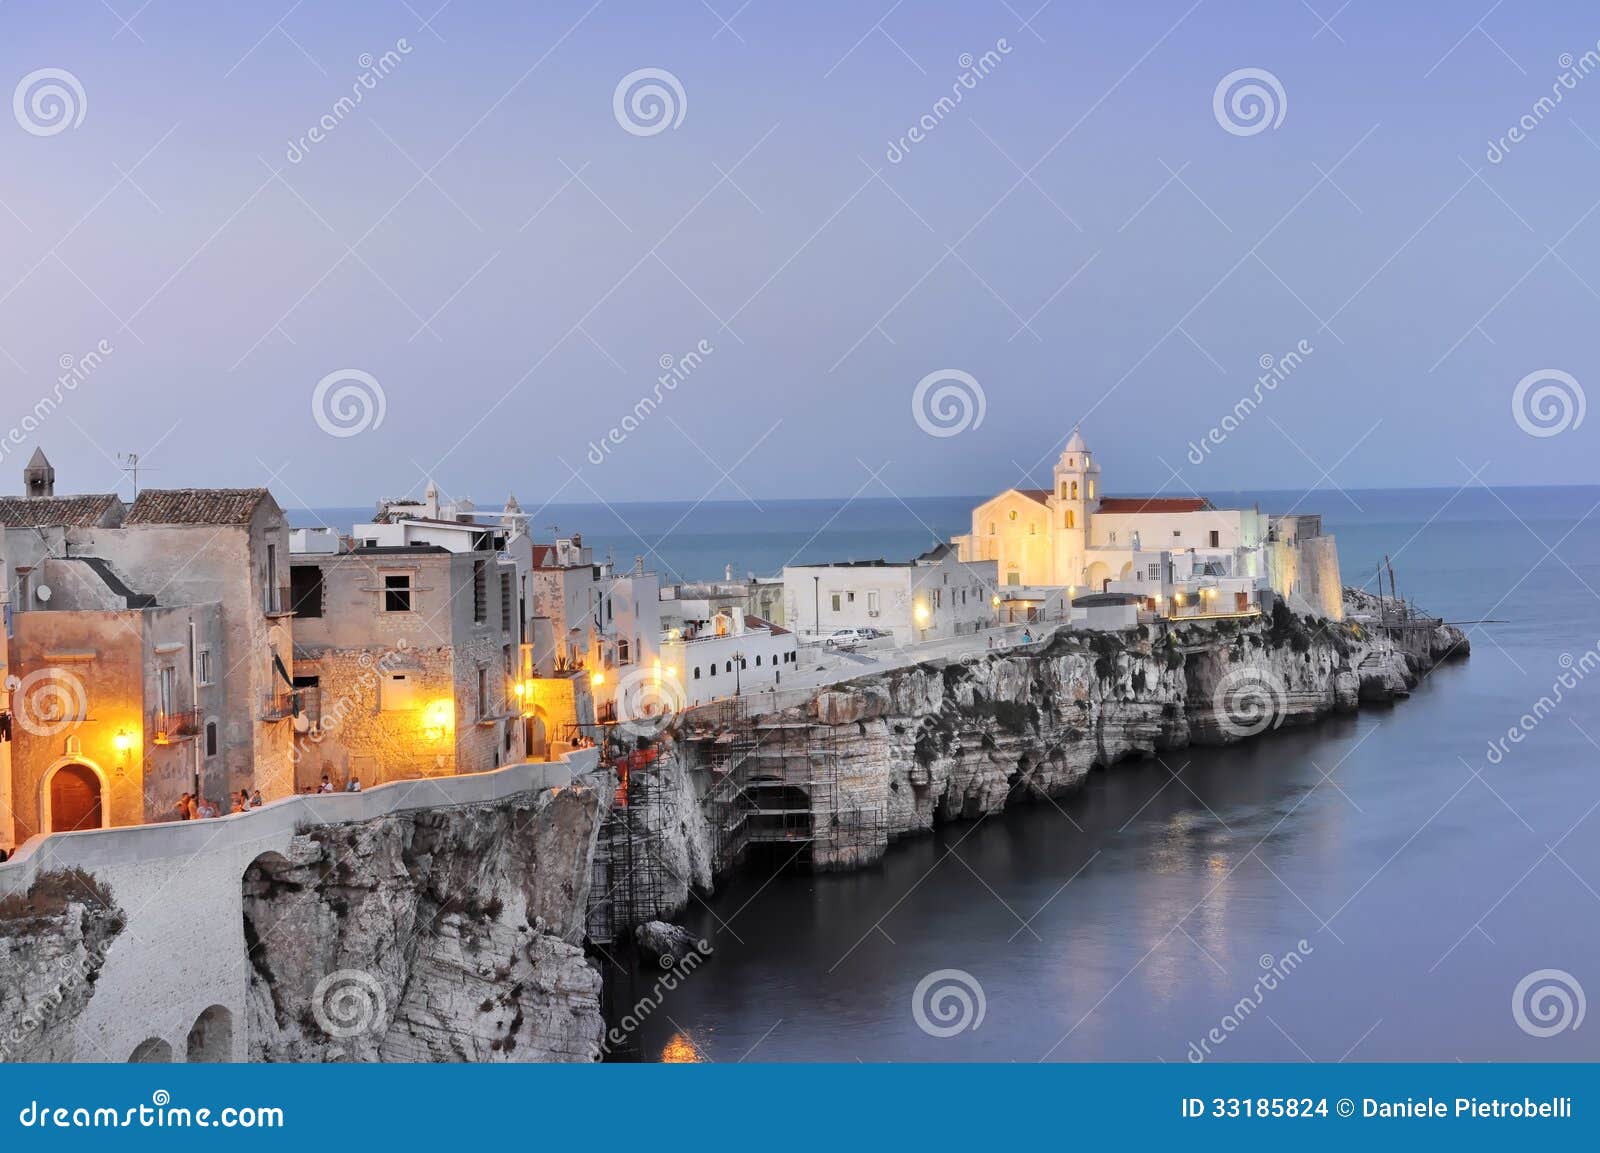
x=170, y=727
x=280, y=706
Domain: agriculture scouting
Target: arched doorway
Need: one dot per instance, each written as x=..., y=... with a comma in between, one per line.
x=1099, y=573
x=151, y=1051
x=74, y=799
x=211, y=1039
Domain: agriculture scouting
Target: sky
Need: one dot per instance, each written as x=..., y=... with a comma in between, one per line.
x=476, y=271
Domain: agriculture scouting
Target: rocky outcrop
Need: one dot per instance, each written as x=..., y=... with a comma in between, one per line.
x=53, y=942
x=895, y=753
x=449, y=934
x=665, y=945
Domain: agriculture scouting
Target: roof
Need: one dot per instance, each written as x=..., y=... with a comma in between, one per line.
x=753, y=621
x=387, y=550
x=938, y=552
x=38, y=460
x=58, y=511
x=1155, y=504
x=1092, y=600
x=220, y=506
x=1042, y=495
x=108, y=576
x=1076, y=442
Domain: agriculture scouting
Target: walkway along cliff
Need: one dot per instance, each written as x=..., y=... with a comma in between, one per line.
x=829, y=779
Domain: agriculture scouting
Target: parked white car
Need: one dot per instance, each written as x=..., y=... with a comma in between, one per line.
x=846, y=638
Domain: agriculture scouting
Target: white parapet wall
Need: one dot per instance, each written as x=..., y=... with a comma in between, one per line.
x=182, y=951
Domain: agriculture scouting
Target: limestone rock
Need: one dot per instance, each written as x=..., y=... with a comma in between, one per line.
x=665, y=944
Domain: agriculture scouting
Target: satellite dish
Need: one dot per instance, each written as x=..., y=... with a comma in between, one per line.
x=302, y=723
x=43, y=593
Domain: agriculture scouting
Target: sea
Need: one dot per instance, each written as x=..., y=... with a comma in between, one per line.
x=1411, y=882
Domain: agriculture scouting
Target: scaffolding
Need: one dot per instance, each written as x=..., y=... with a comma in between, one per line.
x=629, y=880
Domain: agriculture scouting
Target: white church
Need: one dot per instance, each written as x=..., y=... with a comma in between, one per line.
x=1176, y=555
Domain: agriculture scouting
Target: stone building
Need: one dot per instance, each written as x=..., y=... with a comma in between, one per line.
x=930, y=597
x=221, y=552
x=407, y=659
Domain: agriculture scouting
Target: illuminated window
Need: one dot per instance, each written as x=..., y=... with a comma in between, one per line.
x=1074, y=490
x=1072, y=520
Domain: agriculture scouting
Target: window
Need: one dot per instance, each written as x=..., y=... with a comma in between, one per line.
x=1072, y=520
x=1063, y=490
x=1216, y=539
x=480, y=591
x=1177, y=532
x=305, y=590
x=835, y=602
x=169, y=689
x=1074, y=490
x=1033, y=529
x=397, y=592
x=508, y=602
x=712, y=669
x=1111, y=537
x=211, y=738
x=623, y=653
x=758, y=660
x=1154, y=572
x=271, y=589
x=991, y=528
x=1013, y=514
x=696, y=672
x=203, y=666
x=483, y=691
x=850, y=598
x=872, y=602
x=727, y=667
x=1091, y=490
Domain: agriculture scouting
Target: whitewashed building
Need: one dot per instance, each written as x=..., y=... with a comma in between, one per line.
x=934, y=596
x=730, y=655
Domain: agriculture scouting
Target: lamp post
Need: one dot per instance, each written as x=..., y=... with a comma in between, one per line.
x=738, y=667
x=816, y=592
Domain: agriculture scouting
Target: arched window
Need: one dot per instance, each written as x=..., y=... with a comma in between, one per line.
x=1063, y=490
x=1091, y=490
x=1074, y=490
x=1033, y=528
x=758, y=660
x=1072, y=520
x=727, y=667
x=991, y=528
x=696, y=672
x=211, y=738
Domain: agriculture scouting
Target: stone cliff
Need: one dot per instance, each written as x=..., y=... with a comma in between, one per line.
x=450, y=934
x=53, y=942
x=893, y=753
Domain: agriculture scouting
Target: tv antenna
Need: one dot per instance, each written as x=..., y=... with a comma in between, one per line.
x=132, y=468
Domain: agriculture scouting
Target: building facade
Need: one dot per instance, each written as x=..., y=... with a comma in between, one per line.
x=934, y=596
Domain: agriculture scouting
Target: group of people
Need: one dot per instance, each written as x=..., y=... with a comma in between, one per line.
x=191, y=807
x=353, y=785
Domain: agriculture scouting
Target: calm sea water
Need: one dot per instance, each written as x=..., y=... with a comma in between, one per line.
x=1425, y=877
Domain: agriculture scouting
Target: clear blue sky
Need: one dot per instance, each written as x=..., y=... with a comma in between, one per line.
x=514, y=305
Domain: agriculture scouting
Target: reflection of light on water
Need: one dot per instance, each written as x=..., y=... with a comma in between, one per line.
x=680, y=1051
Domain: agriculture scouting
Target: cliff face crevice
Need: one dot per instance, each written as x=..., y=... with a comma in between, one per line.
x=448, y=934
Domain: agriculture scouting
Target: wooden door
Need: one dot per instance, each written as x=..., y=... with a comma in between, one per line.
x=74, y=799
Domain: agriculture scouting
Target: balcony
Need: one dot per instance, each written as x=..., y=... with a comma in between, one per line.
x=171, y=727
x=280, y=706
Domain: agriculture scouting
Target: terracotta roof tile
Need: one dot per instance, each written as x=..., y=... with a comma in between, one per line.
x=1154, y=504
x=60, y=511
x=195, y=506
